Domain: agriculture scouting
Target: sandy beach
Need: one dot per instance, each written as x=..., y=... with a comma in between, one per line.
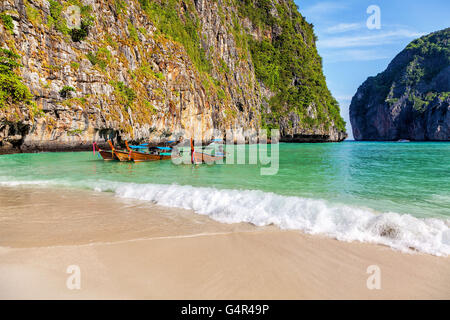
x=133, y=250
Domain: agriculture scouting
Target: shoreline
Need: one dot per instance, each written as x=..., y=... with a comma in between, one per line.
x=88, y=146
x=429, y=234
x=136, y=250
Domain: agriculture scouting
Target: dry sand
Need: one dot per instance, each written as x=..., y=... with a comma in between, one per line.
x=139, y=251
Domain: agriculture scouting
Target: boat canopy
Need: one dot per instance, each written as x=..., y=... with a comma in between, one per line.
x=138, y=147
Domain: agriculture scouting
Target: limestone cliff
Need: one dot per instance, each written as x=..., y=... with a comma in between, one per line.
x=146, y=70
x=411, y=98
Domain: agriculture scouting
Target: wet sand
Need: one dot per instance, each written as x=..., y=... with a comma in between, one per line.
x=136, y=250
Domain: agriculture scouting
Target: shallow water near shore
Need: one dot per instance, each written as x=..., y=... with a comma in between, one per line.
x=397, y=194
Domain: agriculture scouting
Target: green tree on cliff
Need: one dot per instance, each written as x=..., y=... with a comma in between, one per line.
x=12, y=90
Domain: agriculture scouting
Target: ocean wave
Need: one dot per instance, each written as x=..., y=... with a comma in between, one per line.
x=400, y=231
x=403, y=232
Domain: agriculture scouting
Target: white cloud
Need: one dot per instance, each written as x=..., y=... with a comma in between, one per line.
x=375, y=39
x=321, y=9
x=353, y=55
x=344, y=27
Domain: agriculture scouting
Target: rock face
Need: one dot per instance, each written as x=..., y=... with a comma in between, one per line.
x=410, y=99
x=151, y=70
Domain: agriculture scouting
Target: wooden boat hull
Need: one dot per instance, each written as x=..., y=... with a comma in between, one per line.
x=107, y=155
x=143, y=157
x=137, y=156
x=199, y=157
x=122, y=156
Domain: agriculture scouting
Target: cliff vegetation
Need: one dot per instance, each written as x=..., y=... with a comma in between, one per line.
x=145, y=70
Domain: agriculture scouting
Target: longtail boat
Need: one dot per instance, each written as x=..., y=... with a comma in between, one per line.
x=121, y=155
x=154, y=154
x=204, y=157
x=106, y=155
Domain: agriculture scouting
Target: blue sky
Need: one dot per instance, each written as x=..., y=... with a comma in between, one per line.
x=352, y=52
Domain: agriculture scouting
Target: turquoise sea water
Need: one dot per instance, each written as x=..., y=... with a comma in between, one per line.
x=351, y=190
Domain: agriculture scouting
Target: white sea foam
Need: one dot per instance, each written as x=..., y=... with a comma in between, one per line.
x=400, y=231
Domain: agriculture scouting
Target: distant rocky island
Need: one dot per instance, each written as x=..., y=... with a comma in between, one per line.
x=410, y=99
